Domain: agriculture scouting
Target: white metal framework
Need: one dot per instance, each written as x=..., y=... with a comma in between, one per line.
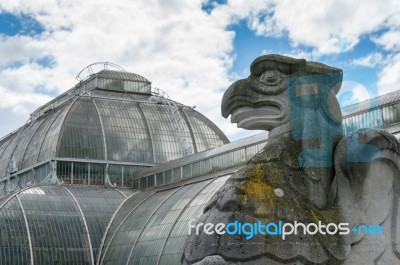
x=91, y=69
x=176, y=119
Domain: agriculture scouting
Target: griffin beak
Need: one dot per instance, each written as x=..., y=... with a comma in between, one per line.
x=228, y=100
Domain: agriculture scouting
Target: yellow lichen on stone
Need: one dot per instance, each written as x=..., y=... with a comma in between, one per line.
x=327, y=216
x=256, y=193
x=314, y=216
x=274, y=172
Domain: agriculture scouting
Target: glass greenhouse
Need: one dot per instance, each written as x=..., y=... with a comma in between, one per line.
x=56, y=224
x=101, y=132
x=380, y=112
x=70, y=224
x=112, y=170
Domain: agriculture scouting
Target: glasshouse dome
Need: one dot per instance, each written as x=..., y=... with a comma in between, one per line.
x=109, y=126
x=56, y=224
x=112, y=171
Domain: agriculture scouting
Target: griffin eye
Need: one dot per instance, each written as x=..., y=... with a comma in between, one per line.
x=270, y=77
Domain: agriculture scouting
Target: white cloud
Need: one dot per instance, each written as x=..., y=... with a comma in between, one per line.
x=371, y=60
x=330, y=26
x=389, y=78
x=175, y=44
x=334, y=27
x=352, y=92
x=389, y=40
x=15, y=107
x=301, y=54
x=182, y=49
x=20, y=102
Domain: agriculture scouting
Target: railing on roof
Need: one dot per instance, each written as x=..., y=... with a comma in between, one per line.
x=89, y=70
x=105, y=79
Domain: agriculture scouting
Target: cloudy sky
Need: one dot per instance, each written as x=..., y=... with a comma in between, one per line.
x=191, y=49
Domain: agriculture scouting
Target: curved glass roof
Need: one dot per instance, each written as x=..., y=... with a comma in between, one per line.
x=151, y=227
x=373, y=103
x=112, y=126
x=56, y=224
x=121, y=75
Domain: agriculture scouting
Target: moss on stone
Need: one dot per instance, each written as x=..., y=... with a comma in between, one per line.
x=256, y=193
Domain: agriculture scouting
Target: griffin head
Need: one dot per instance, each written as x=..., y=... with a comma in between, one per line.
x=262, y=101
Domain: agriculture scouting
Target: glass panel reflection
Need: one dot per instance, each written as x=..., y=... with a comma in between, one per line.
x=81, y=135
x=57, y=230
x=14, y=243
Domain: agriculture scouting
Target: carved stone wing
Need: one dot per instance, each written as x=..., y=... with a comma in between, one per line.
x=367, y=165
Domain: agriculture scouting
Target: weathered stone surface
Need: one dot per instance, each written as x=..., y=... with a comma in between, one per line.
x=308, y=172
x=252, y=197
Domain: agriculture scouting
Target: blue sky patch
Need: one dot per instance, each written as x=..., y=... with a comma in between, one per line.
x=21, y=24
x=210, y=5
x=46, y=61
x=248, y=46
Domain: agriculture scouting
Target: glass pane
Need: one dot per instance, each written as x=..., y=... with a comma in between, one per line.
x=149, y=244
x=201, y=167
x=81, y=173
x=176, y=174
x=25, y=178
x=6, y=149
x=96, y=174
x=25, y=139
x=64, y=171
x=164, y=132
x=49, y=145
x=57, y=230
x=131, y=228
x=206, y=134
x=43, y=172
x=150, y=226
x=32, y=151
x=150, y=181
x=175, y=243
x=160, y=179
x=81, y=135
x=110, y=84
x=126, y=133
x=129, y=173
x=14, y=243
x=98, y=207
x=115, y=174
x=187, y=171
x=136, y=184
x=168, y=176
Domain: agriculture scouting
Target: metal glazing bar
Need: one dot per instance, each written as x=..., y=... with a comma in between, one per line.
x=27, y=228
x=103, y=239
x=145, y=225
x=180, y=214
x=116, y=230
x=85, y=223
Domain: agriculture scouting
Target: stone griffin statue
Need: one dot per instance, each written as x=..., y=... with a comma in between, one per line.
x=308, y=172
